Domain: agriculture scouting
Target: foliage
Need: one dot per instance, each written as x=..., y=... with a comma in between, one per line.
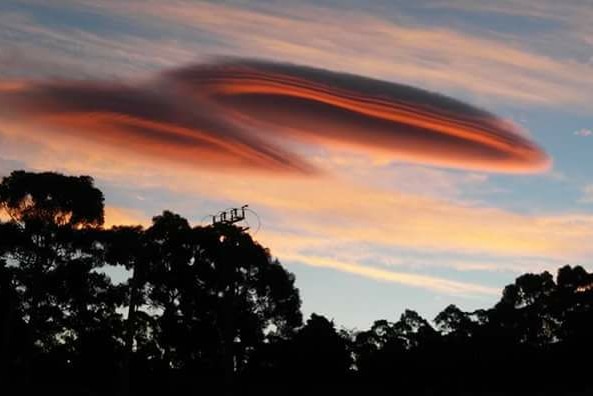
x=209, y=307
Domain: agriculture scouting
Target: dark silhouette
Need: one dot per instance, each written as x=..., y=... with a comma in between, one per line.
x=207, y=310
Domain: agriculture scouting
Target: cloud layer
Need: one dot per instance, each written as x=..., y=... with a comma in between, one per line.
x=251, y=114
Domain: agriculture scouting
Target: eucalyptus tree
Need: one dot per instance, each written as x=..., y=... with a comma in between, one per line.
x=50, y=250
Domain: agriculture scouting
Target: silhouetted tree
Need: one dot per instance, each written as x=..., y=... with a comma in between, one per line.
x=47, y=213
x=524, y=312
x=206, y=298
x=454, y=322
x=221, y=295
x=127, y=246
x=207, y=309
x=316, y=360
x=321, y=351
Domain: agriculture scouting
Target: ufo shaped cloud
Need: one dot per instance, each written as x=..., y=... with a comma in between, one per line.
x=246, y=113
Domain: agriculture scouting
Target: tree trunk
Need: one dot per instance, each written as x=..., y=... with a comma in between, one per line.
x=130, y=329
x=7, y=318
x=228, y=323
x=227, y=346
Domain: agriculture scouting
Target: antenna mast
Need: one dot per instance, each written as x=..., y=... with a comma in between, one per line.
x=230, y=216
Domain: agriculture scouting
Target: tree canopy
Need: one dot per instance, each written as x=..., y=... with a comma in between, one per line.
x=210, y=310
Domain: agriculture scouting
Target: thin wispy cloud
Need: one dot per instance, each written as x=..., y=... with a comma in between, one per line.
x=401, y=51
x=31, y=49
x=471, y=62
x=431, y=283
x=587, y=194
x=584, y=132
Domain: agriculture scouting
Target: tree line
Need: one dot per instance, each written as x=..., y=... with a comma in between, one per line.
x=209, y=310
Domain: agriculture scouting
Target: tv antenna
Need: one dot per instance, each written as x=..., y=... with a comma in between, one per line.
x=230, y=216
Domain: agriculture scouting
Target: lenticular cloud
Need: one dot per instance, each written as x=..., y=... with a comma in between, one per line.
x=249, y=114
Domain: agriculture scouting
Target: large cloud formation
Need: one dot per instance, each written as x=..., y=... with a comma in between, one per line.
x=245, y=113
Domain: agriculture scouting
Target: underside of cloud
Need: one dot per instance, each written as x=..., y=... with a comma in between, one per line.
x=249, y=114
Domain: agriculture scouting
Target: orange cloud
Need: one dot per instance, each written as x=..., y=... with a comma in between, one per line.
x=116, y=216
x=12, y=86
x=141, y=120
x=334, y=108
x=248, y=114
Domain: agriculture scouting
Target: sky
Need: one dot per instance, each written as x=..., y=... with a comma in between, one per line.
x=397, y=154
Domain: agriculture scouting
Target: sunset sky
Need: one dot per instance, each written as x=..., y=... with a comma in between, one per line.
x=399, y=154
